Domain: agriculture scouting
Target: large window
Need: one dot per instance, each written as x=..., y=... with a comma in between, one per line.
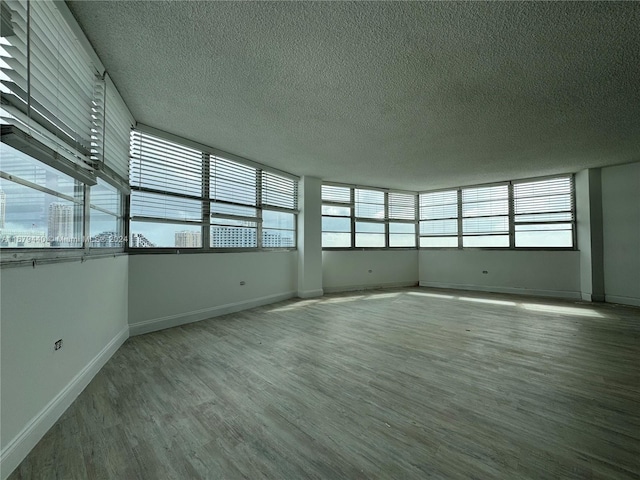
x=544, y=213
x=188, y=198
x=485, y=216
x=519, y=214
x=337, y=208
x=439, y=219
x=355, y=217
x=65, y=134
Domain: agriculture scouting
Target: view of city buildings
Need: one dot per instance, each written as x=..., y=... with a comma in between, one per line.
x=61, y=232
x=239, y=237
x=188, y=239
x=221, y=237
x=138, y=240
x=60, y=224
x=106, y=240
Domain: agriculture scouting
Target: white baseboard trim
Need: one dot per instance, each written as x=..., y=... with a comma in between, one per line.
x=310, y=293
x=515, y=290
x=634, y=302
x=155, y=324
x=354, y=288
x=18, y=448
x=590, y=297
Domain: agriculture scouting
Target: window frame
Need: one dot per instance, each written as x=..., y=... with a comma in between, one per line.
x=208, y=154
x=511, y=215
x=354, y=219
x=21, y=256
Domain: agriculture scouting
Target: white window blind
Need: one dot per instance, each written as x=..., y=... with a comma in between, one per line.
x=279, y=191
x=232, y=182
x=402, y=206
x=485, y=216
x=164, y=166
x=331, y=193
x=165, y=207
x=53, y=93
x=544, y=212
x=13, y=55
x=439, y=219
x=369, y=204
x=62, y=77
x=117, y=130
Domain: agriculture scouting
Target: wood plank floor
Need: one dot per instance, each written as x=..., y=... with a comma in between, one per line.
x=402, y=383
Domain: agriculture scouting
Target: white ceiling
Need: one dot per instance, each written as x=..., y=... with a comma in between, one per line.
x=402, y=95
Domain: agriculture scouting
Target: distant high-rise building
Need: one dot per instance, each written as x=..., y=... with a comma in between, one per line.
x=138, y=240
x=3, y=207
x=188, y=239
x=106, y=240
x=230, y=237
x=245, y=237
x=60, y=224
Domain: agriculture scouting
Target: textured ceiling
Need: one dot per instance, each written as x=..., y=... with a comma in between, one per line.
x=403, y=94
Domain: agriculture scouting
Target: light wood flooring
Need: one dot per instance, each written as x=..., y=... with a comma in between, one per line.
x=403, y=383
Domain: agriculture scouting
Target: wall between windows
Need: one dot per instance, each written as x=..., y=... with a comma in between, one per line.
x=621, y=233
x=344, y=270
x=529, y=272
x=85, y=305
x=170, y=290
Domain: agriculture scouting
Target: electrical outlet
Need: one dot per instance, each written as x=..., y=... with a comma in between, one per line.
x=57, y=345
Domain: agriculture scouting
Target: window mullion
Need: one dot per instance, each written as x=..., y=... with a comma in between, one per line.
x=386, y=219
x=259, y=208
x=512, y=222
x=86, y=217
x=352, y=196
x=206, y=201
x=460, y=233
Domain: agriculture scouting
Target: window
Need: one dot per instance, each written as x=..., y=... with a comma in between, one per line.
x=402, y=219
x=188, y=198
x=337, y=207
x=279, y=198
x=485, y=216
x=234, y=212
x=166, y=197
x=369, y=204
x=439, y=219
x=65, y=130
x=40, y=207
x=105, y=217
x=518, y=214
x=367, y=218
x=544, y=213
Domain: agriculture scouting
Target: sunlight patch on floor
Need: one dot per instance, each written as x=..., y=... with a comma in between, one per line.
x=486, y=300
x=433, y=295
x=343, y=299
x=578, y=312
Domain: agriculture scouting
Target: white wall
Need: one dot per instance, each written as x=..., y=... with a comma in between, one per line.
x=621, y=232
x=310, y=238
x=85, y=305
x=589, y=234
x=170, y=290
x=546, y=273
x=349, y=269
